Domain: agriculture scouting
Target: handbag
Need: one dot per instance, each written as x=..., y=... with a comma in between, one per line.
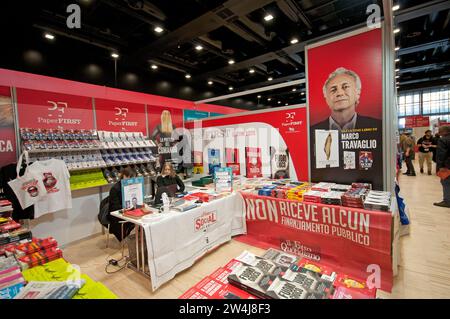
x=443, y=173
x=29, y=188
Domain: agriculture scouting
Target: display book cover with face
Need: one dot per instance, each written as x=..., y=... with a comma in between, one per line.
x=346, y=134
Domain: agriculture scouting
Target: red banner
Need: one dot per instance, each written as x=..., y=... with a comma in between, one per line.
x=349, y=239
x=117, y=116
x=49, y=110
x=417, y=121
x=7, y=133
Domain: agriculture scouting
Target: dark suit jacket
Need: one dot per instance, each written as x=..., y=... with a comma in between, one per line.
x=338, y=174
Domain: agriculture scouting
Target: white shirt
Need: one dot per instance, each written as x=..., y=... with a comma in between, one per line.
x=56, y=179
x=349, y=126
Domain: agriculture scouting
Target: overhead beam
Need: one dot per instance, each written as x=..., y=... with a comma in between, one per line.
x=207, y=22
x=293, y=11
x=425, y=46
x=421, y=10
x=421, y=68
x=436, y=78
x=300, y=75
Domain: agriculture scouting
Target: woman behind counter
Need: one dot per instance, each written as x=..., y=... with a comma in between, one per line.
x=169, y=177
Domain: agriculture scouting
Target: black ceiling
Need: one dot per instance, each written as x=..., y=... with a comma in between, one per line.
x=233, y=29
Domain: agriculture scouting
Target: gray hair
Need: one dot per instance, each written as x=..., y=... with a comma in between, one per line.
x=340, y=71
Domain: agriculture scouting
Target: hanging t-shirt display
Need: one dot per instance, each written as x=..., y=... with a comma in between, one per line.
x=279, y=163
x=56, y=179
x=253, y=163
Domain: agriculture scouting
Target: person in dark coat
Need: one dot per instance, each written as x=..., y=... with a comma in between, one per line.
x=115, y=203
x=443, y=164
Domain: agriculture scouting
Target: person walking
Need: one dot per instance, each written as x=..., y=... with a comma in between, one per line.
x=408, y=149
x=443, y=164
x=425, y=144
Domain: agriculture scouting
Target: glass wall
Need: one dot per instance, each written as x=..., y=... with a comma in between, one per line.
x=434, y=102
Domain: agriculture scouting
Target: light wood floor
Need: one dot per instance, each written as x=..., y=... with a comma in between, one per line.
x=424, y=270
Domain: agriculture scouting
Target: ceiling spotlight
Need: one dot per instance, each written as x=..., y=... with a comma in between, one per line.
x=397, y=48
x=199, y=47
x=396, y=30
x=397, y=76
x=210, y=82
x=230, y=62
x=158, y=29
x=397, y=60
x=269, y=99
x=187, y=76
x=154, y=66
x=49, y=36
x=279, y=102
x=268, y=17
x=286, y=104
x=294, y=89
x=230, y=88
x=259, y=96
x=294, y=41
x=396, y=70
x=270, y=79
x=251, y=71
x=303, y=93
x=115, y=55
x=396, y=7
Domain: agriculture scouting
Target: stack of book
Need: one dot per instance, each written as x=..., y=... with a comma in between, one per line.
x=377, y=200
x=313, y=196
x=12, y=232
x=354, y=197
x=322, y=187
x=50, y=290
x=5, y=207
x=7, y=224
x=11, y=279
x=31, y=247
x=331, y=198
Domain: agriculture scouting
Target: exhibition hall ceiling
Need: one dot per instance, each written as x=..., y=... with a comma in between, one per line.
x=198, y=49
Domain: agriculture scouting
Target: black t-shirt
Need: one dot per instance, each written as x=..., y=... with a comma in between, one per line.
x=168, y=180
x=425, y=142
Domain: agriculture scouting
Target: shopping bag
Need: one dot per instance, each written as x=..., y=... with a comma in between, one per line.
x=29, y=187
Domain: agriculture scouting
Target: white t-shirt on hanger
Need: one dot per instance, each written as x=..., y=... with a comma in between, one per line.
x=56, y=179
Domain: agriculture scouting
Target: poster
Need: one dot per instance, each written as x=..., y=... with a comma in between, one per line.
x=117, y=116
x=345, y=95
x=223, y=179
x=327, y=148
x=49, y=110
x=279, y=162
x=7, y=133
x=165, y=129
x=213, y=160
x=253, y=163
x=132, y=192
x=349, y=239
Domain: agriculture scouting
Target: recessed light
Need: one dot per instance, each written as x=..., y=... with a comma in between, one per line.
x=279, y=102
x=199, y=47
x=251, y=71
x=270, y=79
x=115, y=55
x=187, y=76
x=294, y=41
x=154, y=66
x=396, y=30
x=396, y=7
x=49, y=36
x=396, y=70
x=230, y=61
x=231, y=88
x=397, y=76
x=303, y=93
x=269, y=99
x=294, y=89
x=397, y=60
x=259, y=96
x=397, y=48
x=158, y=29
x=268, y=17
x=210, y=82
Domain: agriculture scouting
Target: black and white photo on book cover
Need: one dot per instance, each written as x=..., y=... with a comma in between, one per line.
x=349, y=160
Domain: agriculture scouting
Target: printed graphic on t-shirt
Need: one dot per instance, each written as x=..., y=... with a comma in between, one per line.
x=31, y=187
x=50, y=183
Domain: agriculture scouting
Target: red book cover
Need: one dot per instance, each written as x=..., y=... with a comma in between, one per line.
x=34, y=246
x=9, y=226
x=236, y=168
x=253, y=162
x=355, y=285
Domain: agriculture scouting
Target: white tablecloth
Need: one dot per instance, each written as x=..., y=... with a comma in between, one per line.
x=176, y=240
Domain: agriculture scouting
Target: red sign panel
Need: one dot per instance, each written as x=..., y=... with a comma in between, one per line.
x=49, y=110
x=417, y=121
x=7, y=133
x=349, y=239
x=117, y=116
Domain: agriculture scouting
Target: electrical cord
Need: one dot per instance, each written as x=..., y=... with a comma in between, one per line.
x=115, y=263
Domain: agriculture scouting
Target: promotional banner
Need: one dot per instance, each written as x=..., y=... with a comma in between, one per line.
x=7, y=133
x=117, y=116
x=164, y=126
x=191, y=115
x=350, y=239
x=275, y=132
x=345, y=109
x=49, y=110
x=417, y=121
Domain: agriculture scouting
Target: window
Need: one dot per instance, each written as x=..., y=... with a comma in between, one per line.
x=436, y=101
x=409, y=104
x=401, y=122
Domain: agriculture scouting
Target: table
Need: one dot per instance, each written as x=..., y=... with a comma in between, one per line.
x=176, y=240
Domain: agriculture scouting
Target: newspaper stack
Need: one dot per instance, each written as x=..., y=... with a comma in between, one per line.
x=377, y=200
